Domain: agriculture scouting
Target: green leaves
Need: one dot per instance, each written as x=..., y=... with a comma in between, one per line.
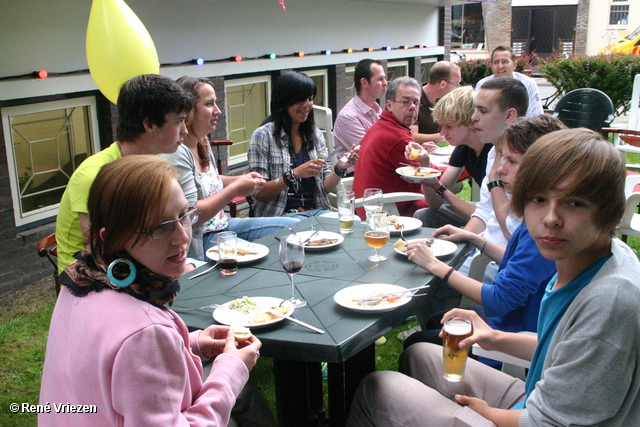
x=612, y=74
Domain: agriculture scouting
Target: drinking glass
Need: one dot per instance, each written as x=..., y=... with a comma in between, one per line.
x=227, y=251
x=292, y=259
x=372, y=200
x=455, y=359
x=346, y=209
x=377, y=234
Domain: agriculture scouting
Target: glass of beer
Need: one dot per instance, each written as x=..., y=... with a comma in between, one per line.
x=377, y=234
x=228, y=252
x=455, y=359
x=346, y=211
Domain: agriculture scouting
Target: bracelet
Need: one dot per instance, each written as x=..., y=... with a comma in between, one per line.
x=340, y=172
x=440, y=191
x=484, y=246
x=288, y=177
x=446, y=277
x=493, y=184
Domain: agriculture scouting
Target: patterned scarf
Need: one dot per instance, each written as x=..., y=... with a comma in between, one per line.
x=88, y=275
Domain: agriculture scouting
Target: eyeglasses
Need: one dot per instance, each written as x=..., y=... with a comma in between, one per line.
x=167, y=227
x=406, y=103
x=453, y=84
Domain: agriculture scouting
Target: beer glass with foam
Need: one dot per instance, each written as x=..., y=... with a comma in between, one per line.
x=455, y=359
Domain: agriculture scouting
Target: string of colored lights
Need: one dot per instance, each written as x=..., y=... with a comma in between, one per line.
x=43, y=74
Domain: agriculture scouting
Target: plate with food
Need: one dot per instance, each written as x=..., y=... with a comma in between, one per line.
x=321, y=240
x=439, y=247
x=417, y=174
x=247, y=252
x=348, y=297
x=251, y=312
x=447, y=150
x=402, y=223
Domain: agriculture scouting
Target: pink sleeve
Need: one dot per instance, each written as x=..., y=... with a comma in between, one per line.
x=347, y=131
x=156, y=381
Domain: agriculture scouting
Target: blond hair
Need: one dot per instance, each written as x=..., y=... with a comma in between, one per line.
x=456, y=107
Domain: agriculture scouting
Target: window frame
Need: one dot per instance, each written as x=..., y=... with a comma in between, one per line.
x=51, y=211
x=325, y=77
x=239, y=159
x=612, y=3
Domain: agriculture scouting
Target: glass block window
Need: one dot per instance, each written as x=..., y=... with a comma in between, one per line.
x=45, y=143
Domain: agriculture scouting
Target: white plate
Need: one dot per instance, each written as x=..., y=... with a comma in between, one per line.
x=232, y=317
x=407, y=172
x=321, y=235
x=409, y=223
x=262, y=251
x=345, y=297
x=444, y=151
x=439, y=247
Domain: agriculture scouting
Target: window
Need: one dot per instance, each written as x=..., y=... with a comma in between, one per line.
x=619, y=12
x=350, y=92
x=45, y=143
x=397, y=69
x=425, y=68
x=247, y=105
x=319, y=77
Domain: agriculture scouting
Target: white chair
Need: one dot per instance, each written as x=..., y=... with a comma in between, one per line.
x=323, y=117
x=630, y=222
x=390, y=200
x=633, y=125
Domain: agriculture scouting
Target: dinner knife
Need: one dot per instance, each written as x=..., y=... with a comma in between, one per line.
x=390, y=294
x=299, y=322
x=275, y=313
x=204, y=272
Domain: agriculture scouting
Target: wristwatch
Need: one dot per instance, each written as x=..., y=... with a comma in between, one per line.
x=493, y=184
x=440, y=191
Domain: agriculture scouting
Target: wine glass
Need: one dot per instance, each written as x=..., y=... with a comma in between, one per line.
x=292, y=259
x=372, y=200
x=377, y=234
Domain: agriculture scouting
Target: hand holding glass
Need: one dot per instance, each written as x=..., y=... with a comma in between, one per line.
x=455, y=359
x=377, y=234
x=292, y=259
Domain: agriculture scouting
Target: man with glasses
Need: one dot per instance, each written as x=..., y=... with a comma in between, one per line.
x=363, y=110
x=503, y=65
x=383, y=146
x=151, y=120
x=444, y=77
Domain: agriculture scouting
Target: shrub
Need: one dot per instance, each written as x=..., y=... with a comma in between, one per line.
x=475, y=70
x=612, y=74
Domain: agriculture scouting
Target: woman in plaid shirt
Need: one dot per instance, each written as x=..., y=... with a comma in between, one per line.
x=289, y=152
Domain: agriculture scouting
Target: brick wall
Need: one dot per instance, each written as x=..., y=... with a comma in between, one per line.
x=582, y=21
x=497, y=19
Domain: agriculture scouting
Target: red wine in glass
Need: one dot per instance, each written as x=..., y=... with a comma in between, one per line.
x=292, y=258
x=292, y=267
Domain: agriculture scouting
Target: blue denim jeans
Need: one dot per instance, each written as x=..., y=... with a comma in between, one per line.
x=307, y=214
x=249, y=228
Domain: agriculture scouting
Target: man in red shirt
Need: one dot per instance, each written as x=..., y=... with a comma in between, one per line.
x=382, y=148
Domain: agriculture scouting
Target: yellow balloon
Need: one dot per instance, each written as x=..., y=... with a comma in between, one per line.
x=119, y=47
